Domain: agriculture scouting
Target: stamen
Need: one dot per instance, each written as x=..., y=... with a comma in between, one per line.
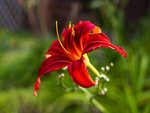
x=73, y=32
x=86, y=57
x=93, y=68
x=87, y=62
x=69, y=24
x=59, y=39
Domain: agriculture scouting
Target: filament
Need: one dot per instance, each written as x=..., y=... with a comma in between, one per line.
x=59, y=38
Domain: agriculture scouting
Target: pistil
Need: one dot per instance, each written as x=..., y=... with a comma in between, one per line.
x=87, y=63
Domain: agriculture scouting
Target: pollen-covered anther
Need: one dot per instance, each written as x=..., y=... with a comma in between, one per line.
x=73, y=31
x=60, y=40
x=96, y=30
x=69, y=24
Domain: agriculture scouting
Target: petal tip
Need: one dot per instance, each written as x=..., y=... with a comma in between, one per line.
x=35, y=94
x=124, y=54
x=36, y=87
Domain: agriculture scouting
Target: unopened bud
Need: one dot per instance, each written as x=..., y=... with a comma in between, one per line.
x=111, y=64
x=96, y=78
x=96, y=82
x=107, y=79
x=96, y=86
x=104, y=76
x=59, y=76
x=102, y=68
x=62, y=75
x=102, y=92
x=105, y=89
x=107, y=68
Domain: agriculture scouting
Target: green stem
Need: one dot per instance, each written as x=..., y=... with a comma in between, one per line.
x=89, y=96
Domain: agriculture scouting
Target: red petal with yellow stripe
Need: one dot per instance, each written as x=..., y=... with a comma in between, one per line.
x=79, y=74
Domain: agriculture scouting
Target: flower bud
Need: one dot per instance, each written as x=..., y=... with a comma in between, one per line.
x=102, y=68
x=111, y=64
x=107, y=68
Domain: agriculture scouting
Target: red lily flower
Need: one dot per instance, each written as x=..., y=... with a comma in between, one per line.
x=71, y=52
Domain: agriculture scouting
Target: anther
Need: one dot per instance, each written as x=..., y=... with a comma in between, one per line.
x=59, y=39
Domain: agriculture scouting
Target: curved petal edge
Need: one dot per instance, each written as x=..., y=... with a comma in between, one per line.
x=50, y=64
x=79, y=74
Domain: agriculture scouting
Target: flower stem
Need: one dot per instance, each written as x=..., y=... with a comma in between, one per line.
x=97, y=104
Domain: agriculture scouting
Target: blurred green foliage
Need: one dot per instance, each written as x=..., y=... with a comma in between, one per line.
x=128, y=90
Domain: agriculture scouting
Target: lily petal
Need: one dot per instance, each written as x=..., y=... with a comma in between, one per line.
x=68, y=40
x=75, y=42
x=56, y=49
x=100, y=40
x=51, y=64
x=82, y=29
x=79, y=74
